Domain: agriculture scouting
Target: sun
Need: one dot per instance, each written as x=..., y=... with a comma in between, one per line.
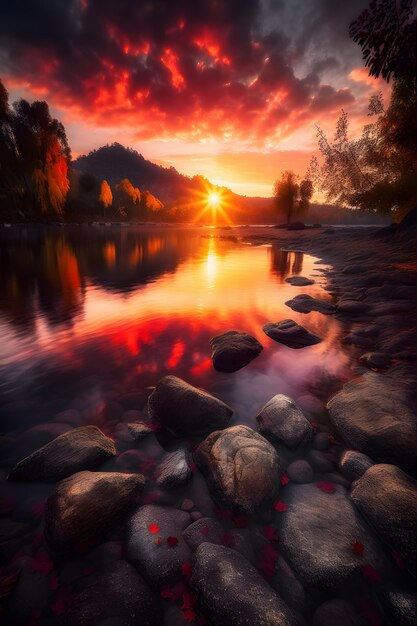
x=213, y=200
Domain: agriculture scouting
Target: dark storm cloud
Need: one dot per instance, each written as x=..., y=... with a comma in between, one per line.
x=191, y=68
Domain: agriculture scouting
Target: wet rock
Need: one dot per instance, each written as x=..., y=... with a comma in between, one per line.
x=285, y=582
x=282, y=420
x=300, y=472
x=204, y=530
x=320, y=441
x=79, y=449
x=316, y=536
x=321, y=461
x=352, y=269
x=12, y=536
x=400, y=606
x=337, y=612
x=299, y=281
x=187, y=505
x=127, y=433
x=387, y=497
x=354, y=464
x=233, y=350
x=158, y=562
x=296, y=226
x=290, y=334
x=304, y=303
x=241, y=467
x=356, y=339
x=376, y=360
x=376, y=415
x=132, y=416
x=351, y=306
x=69, y=416
x=84, y=507
x=115, y=595
x=40, y=435
x=231, y=590
x=174, y=470
x=184, y=409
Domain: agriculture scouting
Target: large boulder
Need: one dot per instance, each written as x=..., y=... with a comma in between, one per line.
x=233, y=593
x=290, y=334
x=233, y=350
x=317, y=534
x=376, y=415
x=303, y=303
x=115, y=595
x=282, y=420
x=155, y=544
x=79, y=449
x=83, y=508
x=299, y=281
x=241, y=467
x=387, y=497
x=186, y=410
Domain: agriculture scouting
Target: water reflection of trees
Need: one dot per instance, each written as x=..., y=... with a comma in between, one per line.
x=45, y=272
x=285, y=263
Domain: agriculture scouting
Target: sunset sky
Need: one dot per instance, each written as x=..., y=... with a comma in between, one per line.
x=231, y=89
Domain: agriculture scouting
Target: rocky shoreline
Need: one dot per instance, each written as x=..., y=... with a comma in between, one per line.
x=179, y=515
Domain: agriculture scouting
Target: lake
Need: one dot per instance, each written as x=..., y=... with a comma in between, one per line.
x=89, y=313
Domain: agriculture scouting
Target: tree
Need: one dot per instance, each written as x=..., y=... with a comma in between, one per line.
x=291, y=198
x=106, y=196
x=378, y=171
x=149, y=202
x=128, y=197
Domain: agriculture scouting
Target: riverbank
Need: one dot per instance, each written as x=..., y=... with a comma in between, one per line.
x=300, y=503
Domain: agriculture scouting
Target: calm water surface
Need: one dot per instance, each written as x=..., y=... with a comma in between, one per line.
x=87, y=314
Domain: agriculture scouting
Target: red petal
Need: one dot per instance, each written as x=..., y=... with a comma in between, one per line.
x=189, y=614
x=400, y=561
x=358, y=547
x=204, y=530
x=270, y=532
x=158, y=541
x=172, y=541
x=325, y=486
x=167, y=593
x=280, y=506
x=153, y=528
x=240, y=521
x=186, y=569
x=226, y=539
x=370, y=572
x=41, y=563
x=284, y=480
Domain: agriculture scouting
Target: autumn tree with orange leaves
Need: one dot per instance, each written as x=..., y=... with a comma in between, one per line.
x=106, y=196
x=35, y=156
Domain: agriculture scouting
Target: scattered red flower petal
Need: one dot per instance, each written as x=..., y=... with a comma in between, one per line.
x=227, y=539
x=186, y=569
x=399, y=560
x=240, y=521
x=41, y=563
x=358, y=547
x=189, y=614
x=158, y=541
x=173, y=593
x=61, y=600
x=167, y=593
x=284, y=480
x=368, y=610
x=153, y=528
x=267, y=563
x=371, y=573
x=325, y=486
x=204, y=530
x=172, y=541
x=270, y=532
x=280, y=506
x=193, y=467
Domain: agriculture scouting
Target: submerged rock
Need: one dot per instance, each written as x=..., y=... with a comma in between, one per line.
x=317, y=532
x=354, y=464
x=300, y=472
x=387, y=497
x=283, y=421
x=351, y=306
x=115, y=595
x=83, y=508
x=376, y=415
x=233, y=350
x=79, y=449
x=174, y=470
x=304, y=303
x=155, y=544
x=337, y=613
x=290, y=334
x=299, y=281
x=231, y=591
x=241, y=467
x=184, y=409
x=399, y=605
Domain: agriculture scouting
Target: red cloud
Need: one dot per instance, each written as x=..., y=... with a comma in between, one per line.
x=192, y=70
